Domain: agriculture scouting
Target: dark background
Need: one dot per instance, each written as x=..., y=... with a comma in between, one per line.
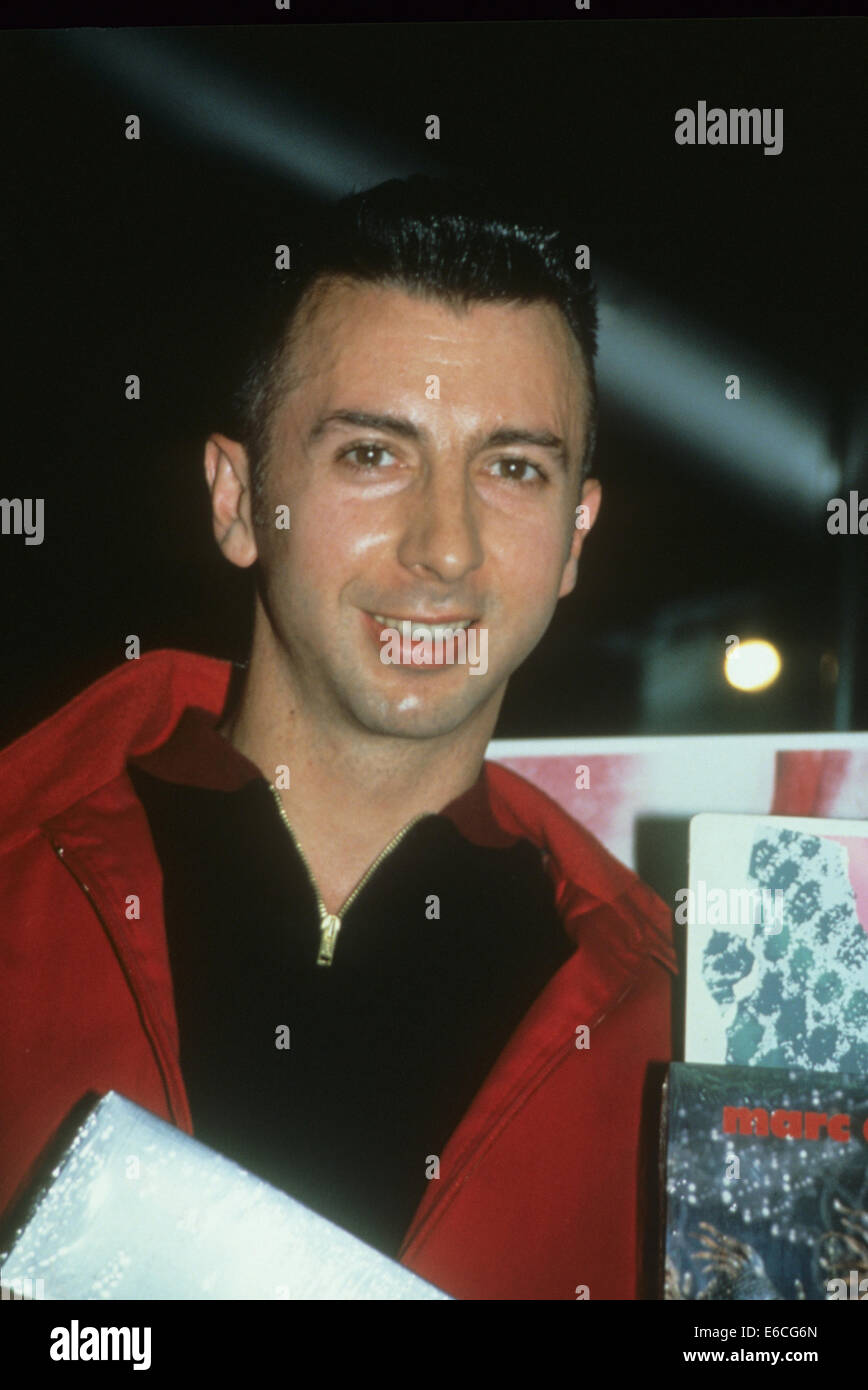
x=144, y=257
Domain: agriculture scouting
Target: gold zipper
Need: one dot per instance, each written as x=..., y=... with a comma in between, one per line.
x=330, y=923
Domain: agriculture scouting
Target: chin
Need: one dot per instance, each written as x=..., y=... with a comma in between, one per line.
x=418, y=714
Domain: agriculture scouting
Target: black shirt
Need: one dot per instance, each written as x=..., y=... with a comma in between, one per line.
x=441, y=954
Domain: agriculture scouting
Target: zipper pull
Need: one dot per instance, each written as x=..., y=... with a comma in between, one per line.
x=328, y=938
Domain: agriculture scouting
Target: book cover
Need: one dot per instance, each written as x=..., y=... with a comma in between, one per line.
x=135, y=1209
x=777, y=942
x=765, y=1180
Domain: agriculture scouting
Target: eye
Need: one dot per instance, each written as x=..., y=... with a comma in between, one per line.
x=366, y=457
x=519, y=470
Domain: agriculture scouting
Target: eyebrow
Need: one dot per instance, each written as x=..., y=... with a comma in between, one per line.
x=406, y=429
x=393, y=424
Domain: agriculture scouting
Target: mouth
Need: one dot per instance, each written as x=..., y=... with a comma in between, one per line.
x=426, y=643
x=423, y=627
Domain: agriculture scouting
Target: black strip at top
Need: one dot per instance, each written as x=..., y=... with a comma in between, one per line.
x=389, y=1044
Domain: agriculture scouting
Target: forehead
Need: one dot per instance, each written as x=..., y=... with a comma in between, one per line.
x=378, y=346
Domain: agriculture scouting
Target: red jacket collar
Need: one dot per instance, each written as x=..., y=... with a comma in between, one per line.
x=136, y=708
x=196, y=755
x=87, y=743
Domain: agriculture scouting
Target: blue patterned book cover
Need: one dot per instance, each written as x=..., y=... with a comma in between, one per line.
x=765, y=1184
x=777, y=942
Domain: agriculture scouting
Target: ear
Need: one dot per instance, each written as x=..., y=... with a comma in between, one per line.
x=227, y=473
x=585, y=516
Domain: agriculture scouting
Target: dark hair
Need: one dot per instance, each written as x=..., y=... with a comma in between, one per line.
x=448, y=239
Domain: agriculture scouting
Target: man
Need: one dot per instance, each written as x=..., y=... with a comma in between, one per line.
x=309, y=924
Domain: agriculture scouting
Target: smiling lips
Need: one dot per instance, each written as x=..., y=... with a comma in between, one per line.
x=432, y=641
x=421, y=627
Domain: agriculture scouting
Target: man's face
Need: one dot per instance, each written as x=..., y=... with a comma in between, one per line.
x=430, y=460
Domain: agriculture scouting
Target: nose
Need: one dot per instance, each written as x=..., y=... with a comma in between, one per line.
x=441, y=532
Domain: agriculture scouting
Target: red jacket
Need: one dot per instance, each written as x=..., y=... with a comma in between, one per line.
x=538, y=1186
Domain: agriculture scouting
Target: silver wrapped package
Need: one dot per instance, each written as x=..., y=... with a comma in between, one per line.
x=136, y=1209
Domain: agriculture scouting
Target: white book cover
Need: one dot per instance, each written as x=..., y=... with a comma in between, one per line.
x=136, y=1209
x=777, y=942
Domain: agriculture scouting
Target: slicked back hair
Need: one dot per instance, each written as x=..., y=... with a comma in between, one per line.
x=429, y=236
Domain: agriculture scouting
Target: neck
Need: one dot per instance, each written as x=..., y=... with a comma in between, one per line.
x=350, y=790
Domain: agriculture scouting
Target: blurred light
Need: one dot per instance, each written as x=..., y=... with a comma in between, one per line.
x=220, y=107
x=752, y=665
x=653, y=360
x=671, y=370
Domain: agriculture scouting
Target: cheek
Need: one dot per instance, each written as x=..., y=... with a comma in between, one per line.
x=296, y=561
x=530, y=560
x=363, y=536
x=353, y=529
x=329, y=542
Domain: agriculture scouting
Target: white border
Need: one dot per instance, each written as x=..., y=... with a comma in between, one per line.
x=819, y=742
